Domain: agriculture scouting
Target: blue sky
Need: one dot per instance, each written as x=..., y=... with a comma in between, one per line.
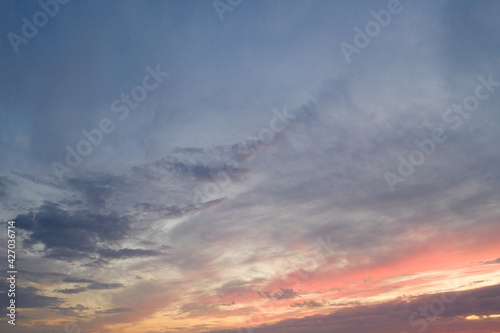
x=265, y=178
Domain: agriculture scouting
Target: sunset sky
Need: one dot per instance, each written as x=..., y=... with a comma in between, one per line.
x=251, y=166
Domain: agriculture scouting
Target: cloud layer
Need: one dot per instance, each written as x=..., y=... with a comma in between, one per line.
x=250, y=187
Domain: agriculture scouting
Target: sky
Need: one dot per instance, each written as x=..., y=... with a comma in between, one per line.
x=255, y=166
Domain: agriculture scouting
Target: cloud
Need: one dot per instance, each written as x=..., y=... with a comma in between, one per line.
x=93, y=285
x=282, y=294
x=200, y=308
x=42, y=277
x=71, y=291
x=490, y=262
x=5, y=183
x=126, y=253
x=321, y=176
x=202, y=164
x=157, y=211
x=29, y=297
x=71, y=235
x=98, y=188
x=115, y=310
x=100, y=285
x=308, y=304
x=79, y=310
x=76, y=280
x=393, y=316
x=235, y=287
x=286, y=293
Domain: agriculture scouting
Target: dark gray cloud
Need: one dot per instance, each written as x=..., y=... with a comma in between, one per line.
x=282, y=294
x=73, y=311
x=306, y=304
x=28, y=297
x=76, y=280
x=115, y=310
x=489, y=262
x=93, y=285
x=71, y=290
x=101, y=285
x=81, y=284
x=286, y=293
x=71, y=235
x=202, y=164
x=42, y=277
